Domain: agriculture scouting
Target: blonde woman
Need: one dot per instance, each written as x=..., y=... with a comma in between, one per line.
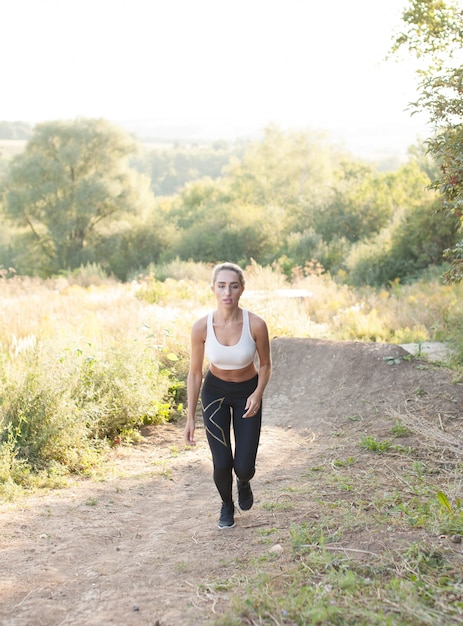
x=230, y=337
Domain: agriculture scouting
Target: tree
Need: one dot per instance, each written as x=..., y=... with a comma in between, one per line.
x=171, y=168
x=292, y=171
x=211, y=225
x=414, y=237
x=72, y=178
x=133, y=245
x=361, y=204
x=433, y=34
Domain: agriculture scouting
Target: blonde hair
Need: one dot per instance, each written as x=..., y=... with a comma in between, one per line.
x=228, y=266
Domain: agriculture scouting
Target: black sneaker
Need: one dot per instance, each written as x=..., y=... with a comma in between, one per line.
x=245, y=497
x=227, y=515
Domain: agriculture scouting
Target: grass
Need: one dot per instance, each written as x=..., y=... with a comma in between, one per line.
x=383, y=557
x=370, y=442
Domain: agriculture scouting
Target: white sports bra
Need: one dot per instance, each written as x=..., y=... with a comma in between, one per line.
x=234, y=357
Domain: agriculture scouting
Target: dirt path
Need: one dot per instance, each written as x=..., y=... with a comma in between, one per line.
x=143, y=548
x=131, y=550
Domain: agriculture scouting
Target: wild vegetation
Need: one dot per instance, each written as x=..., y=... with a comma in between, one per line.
x=413, y=579
x=85, y=362
x=84, y=192
x=432, y=34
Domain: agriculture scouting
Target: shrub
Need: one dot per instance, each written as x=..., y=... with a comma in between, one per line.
x=64, y=398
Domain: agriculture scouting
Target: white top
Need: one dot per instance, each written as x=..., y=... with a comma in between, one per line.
x=234, y=357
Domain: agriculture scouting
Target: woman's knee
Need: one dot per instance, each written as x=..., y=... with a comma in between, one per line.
x=244, y=472
x=222, y=475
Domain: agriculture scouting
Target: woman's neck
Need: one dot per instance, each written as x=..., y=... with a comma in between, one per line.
x=227, y=318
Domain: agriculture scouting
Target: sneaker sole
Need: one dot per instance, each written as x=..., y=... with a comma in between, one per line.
x=226, y=527
x=246, y=508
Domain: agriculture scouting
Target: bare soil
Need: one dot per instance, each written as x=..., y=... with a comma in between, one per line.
x=142, y=546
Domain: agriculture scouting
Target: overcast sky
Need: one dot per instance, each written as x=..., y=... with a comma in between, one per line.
x=224, y=67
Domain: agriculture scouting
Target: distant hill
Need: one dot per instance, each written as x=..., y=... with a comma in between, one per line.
x=15, y=130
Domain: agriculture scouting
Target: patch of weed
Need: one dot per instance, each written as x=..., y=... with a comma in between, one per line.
x=279, y=505
x=347, y=463
x=399, y=430
x=370, y=442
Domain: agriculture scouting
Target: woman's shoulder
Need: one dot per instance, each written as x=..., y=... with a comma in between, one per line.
x=200, y=326
x=256, y=321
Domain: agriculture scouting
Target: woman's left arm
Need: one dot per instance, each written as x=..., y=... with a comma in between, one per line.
x=260, y=333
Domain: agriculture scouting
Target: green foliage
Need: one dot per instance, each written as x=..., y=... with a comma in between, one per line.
x=89, y=275
x=212, y=226
x=289, y=198
x=422, y=237
x=454, y=328
x=448, y=146
x=179, y=270
x=170, y=169
x=245, y=214
x=166, y=291
x=305, y=536
x=412, y=244
x=66, y=409
x=433, y=34
x=414, y=238
x=370, y=442
x=308, y=249
x=362, y=203
x=120, y=390
x=38, y=419
x=311, y=204
x=308, y=201
x=133, y=245
x=399, y=430
x=72, y=177
x=292, y=171
x=14, y=471
x=450, y=517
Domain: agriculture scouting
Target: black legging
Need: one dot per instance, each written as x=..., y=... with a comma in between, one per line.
x=221, y=401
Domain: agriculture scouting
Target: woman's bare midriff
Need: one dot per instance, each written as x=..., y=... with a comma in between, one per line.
x=234, y=376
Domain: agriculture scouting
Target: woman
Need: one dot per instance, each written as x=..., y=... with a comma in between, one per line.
x=230, y=337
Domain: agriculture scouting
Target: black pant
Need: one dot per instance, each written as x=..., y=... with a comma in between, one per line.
x=221, y=402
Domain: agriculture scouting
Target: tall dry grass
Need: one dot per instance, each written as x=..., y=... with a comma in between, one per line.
x=80, y=368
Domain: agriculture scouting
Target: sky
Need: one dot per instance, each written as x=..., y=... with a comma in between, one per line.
x=214, y=68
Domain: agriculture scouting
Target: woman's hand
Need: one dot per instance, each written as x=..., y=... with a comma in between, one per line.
x=189, y=433
x=252, y=405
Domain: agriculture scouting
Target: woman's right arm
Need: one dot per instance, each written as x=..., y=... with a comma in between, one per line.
x=195, y=377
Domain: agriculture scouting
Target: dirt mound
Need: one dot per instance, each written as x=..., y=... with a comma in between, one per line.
x=142, y=547
x=319, y=384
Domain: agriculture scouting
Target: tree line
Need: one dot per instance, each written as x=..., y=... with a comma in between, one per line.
x=83, y=191
x=15, y=130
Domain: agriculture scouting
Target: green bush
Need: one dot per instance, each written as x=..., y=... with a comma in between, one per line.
x=121, y=389
x=67, y=409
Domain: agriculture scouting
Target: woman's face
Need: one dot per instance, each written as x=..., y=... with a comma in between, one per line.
x=227, y=288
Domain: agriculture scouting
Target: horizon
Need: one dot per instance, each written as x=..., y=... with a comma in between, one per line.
x=223, y=70
x=372, y=143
